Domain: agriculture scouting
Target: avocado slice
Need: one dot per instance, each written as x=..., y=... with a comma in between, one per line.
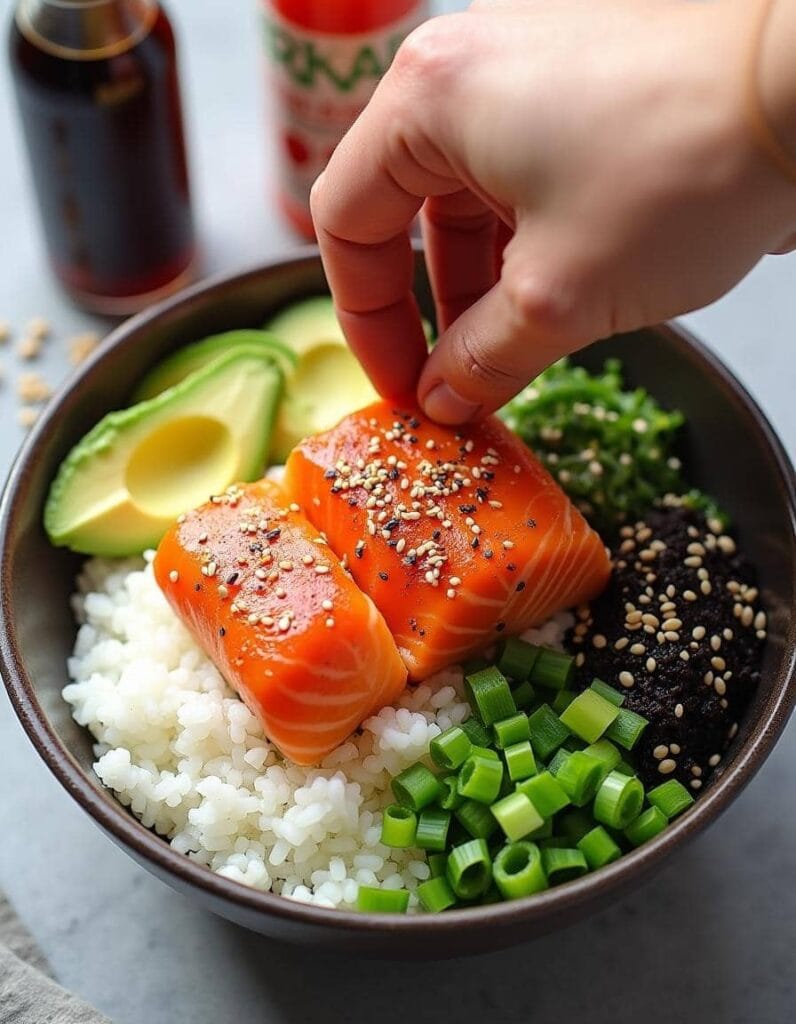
x=121, y=487
x=328, y=382
x=184, y=361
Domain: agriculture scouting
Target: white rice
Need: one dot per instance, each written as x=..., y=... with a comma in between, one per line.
x=190, y=760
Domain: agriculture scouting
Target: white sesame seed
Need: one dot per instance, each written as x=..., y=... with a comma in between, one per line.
x=626, y=679
x=287, y=566
x=695, y=784
x=660, y=752
x=718, y=663
x=672, y=624
x=715, y=642
x=685, y=656
x=714, y=759
x=599, y=641
x=327, y=605
x=733, y=731
x=705, y=587
x=308, y=559
x=698, y=632
x=451, y=593
x=330, y=622
x=638, y=649
x=284, y=624
x=693, y=561
x=322, y=570
x=678, y=711
x=727, y=544
x=621, y=643
x=667, y=766
x=651, y=664
x=174, y=575
x=760, y=621
x=720, y=687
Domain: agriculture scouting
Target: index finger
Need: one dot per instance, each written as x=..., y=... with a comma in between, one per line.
x=363, y=205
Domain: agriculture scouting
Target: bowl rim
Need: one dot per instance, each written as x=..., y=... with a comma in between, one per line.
x=151, y=848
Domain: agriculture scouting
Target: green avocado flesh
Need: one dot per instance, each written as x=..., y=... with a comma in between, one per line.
x=185, y=361
x=122, y=486
x=328, y=382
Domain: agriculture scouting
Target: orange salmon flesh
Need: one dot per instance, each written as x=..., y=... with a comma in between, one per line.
x=458, y=535
x=288, y=628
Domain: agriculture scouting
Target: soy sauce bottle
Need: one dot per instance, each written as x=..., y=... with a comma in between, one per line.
x=98, y=95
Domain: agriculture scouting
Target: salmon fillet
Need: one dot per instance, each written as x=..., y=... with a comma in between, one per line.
x=457, y=534
x=291, y=632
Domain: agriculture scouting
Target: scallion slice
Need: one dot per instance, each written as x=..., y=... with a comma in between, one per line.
x=547, y=731
x=545, y=793
x=516, y=815
x=480, y=778
x=598, y=847
x=432, y=829
x=517, y=658
x=511, y=730
x=580, y=775
x=552, y=669
x=626, y=728
x=524, y=696
x=563, y=863
x=605, y=752
x=450, y=798
x=646, y=826
x=608, y=692
x=476, y=818
x=618, y=800
x=475, y=732
x=562, y=700
x=589, y=715
x=451, y=748
x=671, y=797
x=469, y=869
x=398, y=827
x=382, y=901
x=520, y=762
x=487, y=752
x=518, y=870
x=489, y=695
x=435, y=894
x=575, y=823
x=416, y=787
x=559, y=758
x=436, y=863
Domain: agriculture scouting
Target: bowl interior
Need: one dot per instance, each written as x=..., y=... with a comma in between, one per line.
x=727, y=448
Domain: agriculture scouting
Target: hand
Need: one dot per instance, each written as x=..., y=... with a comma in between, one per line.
x=605, y=139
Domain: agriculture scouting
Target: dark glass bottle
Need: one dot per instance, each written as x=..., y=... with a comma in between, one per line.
x=98, y=95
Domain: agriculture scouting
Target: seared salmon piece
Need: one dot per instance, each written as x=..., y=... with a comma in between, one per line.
x=288, y=628
x=458, y=535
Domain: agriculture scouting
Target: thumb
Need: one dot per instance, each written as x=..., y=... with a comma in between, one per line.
x=489, y=353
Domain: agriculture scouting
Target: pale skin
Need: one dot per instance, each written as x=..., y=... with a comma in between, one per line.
x=581, y=167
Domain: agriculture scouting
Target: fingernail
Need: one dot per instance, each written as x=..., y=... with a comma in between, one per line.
x=444, y=405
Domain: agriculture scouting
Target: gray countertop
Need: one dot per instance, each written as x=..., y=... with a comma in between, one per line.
x=710, y=939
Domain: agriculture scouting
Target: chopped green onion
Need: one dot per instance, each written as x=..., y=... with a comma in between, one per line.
x=572, y=743
x=516, y=815
x=618, y=800
x=435, y=894
x=511, y=730
x=552, y=669
x=450, y=798
x=517, y=658
x=451, y=748
x=480, y=778
x=544, y=830
x=626, y=768
x=598, y=848
x=580, y=775
x=671, y=797
x=626, y=728
x=524, y=695
x=489, y=695
x=518, y=870
x=606, y=753
x=469, y=869
x=608, y=692
x=520, y=762
x=432, y=829
x=382, y=901
x=559, y=758
x=547, y=732
x=545, y=793
x=552, y=842
x=647, y=825
x=416, y=787
x=475, y=732
x=562, y=700
x=487, y=752
x=476, y=818
x=562, y=863
x=575, y=823
x=398, y=827
x=589, y=715
x=436, y=864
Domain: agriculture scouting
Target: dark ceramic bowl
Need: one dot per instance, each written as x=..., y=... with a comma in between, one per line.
x=729, y=449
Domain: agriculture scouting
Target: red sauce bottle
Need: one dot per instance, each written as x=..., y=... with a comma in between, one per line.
x=97, y=90
x=325, y=58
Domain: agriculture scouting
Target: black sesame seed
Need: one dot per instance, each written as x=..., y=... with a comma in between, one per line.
x=511, y=567
x=531, y=523
x=410, y=559
x=273, y=534
x=421, y=632
x=352, y=502
x=393, y=474
x=500, y=627
x=330, y=474
x=487, y=474
x=414, y=423
x=232, y=578
x=520, y=586
x=488, y=554
x=474, y=542
x=391, y=524
x=436, y=535
x=383, y=576
x=222, y=631
x=197, y=587
x=466, y=510
x=481, y=493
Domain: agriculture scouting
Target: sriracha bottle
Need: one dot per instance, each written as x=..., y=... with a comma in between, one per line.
x=325, y=58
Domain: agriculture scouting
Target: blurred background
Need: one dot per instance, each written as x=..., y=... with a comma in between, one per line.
x=709, y=940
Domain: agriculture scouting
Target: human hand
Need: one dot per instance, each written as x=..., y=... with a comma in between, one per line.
x=606, y=140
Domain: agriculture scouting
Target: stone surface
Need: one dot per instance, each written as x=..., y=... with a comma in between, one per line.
x=709, y=940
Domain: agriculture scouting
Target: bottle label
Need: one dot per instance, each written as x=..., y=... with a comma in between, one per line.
x=320, y=83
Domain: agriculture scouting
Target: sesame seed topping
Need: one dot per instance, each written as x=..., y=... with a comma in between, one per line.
x=626, y=679
x=667, y=766
x=714, y=759
x=678, y=711
x=660, y=752
x=174, y=576
x=322, y=570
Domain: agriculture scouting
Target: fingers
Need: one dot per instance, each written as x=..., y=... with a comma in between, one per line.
x=364, y=203
x=459, y=232
x=526, y=321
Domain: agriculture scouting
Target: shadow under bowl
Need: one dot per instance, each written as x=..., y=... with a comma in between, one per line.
x=729, y=450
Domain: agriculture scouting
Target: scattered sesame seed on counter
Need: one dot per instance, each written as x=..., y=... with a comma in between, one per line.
x=679, y=630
